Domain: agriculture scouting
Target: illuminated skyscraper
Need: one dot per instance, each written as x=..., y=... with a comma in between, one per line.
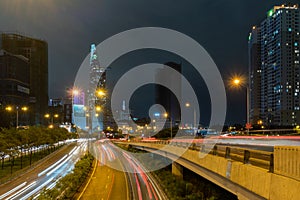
x=255, y=74
x=95, y=101
x=274, y=67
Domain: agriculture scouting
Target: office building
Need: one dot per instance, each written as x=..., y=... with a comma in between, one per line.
x=274, y=67
x=37, y=52
x=165, y=97
x=14, y=85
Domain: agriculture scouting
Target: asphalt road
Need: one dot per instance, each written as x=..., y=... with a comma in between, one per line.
x=119, y=176
x=45, y=174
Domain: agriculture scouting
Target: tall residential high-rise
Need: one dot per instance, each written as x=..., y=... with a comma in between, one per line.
x=37, y=52
x=274, y=67
x=255, y=75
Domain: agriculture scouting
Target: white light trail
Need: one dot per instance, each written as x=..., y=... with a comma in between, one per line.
x=46, y=170
x=22, y=190
x=13, y=190
x=36, y=189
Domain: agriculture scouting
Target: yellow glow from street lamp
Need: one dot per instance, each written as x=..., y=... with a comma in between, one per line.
x=166, y=115
x=51, y=126
x=56, y=115
x=96, y=115
x=98, y=108
x=8, y=108
x=187, y=105
x=24, y=108
x=100, y=93
x=75, y=92
x=236, y=81
x=46, y=115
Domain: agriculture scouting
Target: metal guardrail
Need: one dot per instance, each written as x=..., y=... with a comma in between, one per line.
x=263, y=159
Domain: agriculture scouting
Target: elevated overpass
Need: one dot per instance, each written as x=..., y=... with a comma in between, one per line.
x=249, y=174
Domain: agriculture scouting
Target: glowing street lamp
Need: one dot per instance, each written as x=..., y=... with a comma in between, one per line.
x=48, y=116
x=10, y=108
x=98, y=108
x=100, y=93
x=75, y=92
x=194, y=125
x=171, y=124
x=236, y=82
x=240, y=82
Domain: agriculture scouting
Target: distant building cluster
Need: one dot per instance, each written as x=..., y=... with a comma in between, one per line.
x=274, y=68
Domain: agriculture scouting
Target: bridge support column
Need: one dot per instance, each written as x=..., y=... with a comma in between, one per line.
x=177, y=170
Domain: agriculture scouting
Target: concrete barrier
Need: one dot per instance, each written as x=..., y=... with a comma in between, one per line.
x=287, y=161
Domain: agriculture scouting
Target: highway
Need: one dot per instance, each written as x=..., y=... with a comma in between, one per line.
x=45, y=177
x=118, y=173
x=263, y=143
x=116, y=163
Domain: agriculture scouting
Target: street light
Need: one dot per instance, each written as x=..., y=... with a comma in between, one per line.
x=240, y=82
x=47, y=116
x=98, y=108
x=100, y=93
x=10, y=108
x=171, y=124
x=74, y=92
x=195, y=126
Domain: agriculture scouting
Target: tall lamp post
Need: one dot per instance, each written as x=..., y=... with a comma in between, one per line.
x=171, y=124
x=239, y=82
x=48, y=116
x=195, y=126
x=74, y=92
x=10, y=108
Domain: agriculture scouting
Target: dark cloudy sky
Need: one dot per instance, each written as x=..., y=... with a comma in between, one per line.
x=70, y=26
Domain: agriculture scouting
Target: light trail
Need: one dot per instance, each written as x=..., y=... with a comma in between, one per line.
x=22, y=190
x=13, y=190
x=36, y=190
x=57, y=167
x=49, y=168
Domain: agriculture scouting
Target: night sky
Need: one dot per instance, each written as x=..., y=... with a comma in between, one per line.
x=70, y=26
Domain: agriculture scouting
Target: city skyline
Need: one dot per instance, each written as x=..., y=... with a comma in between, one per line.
x=222, y=28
